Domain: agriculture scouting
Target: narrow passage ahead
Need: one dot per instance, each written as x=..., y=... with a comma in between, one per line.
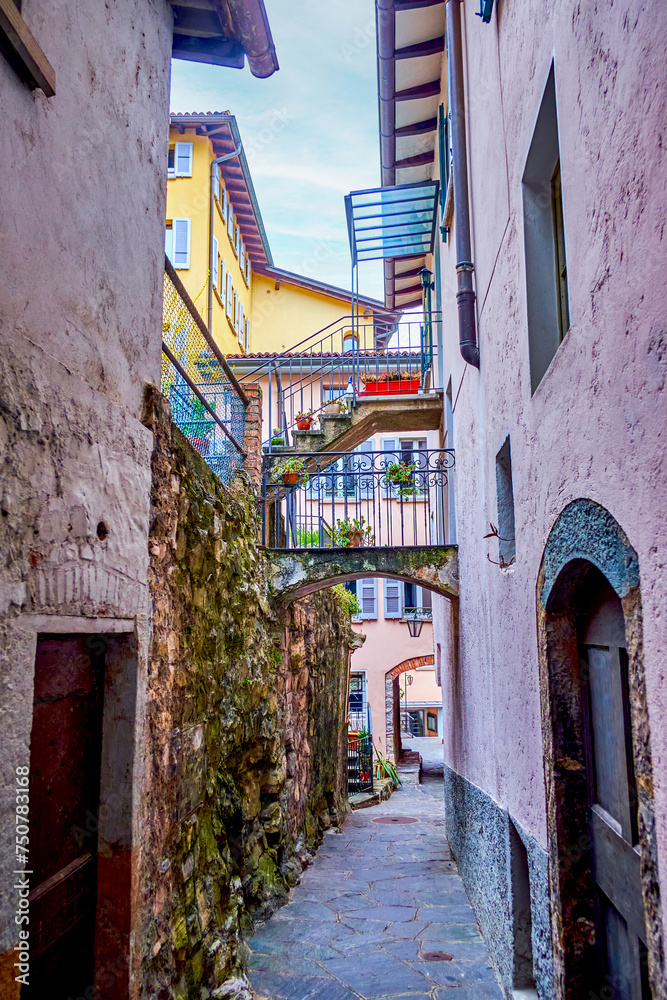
x=382, y=912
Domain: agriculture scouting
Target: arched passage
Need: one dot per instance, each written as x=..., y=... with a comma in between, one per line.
x=392, y=699
x=605, y=898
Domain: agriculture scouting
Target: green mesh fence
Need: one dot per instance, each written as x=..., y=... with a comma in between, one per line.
x=203, y=379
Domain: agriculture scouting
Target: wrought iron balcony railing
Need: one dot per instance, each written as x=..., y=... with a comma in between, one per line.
x=329, y=500
x=349, y=360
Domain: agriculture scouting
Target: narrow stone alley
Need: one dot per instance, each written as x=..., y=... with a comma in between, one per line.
x=382, y=912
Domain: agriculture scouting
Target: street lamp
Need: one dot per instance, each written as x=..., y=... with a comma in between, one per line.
x=415, y=624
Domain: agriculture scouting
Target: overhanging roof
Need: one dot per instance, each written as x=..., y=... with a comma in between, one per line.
x=390, y=223
x=222, y=130
x=411, y=82
x=224, y=33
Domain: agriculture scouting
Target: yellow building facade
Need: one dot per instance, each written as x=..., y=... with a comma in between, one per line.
x=215, y=239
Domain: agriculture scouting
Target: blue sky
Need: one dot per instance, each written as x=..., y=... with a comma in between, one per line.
x=310, y=131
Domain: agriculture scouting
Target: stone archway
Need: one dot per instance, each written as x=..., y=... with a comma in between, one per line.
x=392, y=700
x=587, y=547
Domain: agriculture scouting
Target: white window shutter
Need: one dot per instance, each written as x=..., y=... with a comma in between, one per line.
x=216, y=182
x=169, y=244
x=214, y=276
x=230, y=221
x=247, y=334
x=230, y=294
x=221, y=279
x=392, y=599
x=247, y=269
x=224, y=205
x=369, y=601
x=242, y=256
x=241, y=324
x=184, y=159
x=181, y=230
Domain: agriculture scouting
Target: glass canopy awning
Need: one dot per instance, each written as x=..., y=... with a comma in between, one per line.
x=392, y=222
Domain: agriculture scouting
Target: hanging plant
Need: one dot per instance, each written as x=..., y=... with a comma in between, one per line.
x=292, y=471
x=401, y=474
x=352, y=532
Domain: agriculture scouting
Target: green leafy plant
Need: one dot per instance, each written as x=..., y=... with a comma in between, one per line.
x=291, y=467
x=277, y=437
x=348, y=601
x=385, y=767
x=401, y=474
x=351, y=532
x=304, y=415
x=306, y=539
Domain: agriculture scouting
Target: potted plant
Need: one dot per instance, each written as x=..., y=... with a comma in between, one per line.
x=334, y=406
x=277, y=437
x=350, y=533
x=292, y=471
x=400, y=474
x=304, y=420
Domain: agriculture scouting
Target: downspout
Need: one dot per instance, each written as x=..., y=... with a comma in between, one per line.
x=386, y=35
x=465, y=295
x=252, y=29
x=214, y=166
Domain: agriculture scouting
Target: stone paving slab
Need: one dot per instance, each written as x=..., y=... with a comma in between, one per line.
x=381, y=913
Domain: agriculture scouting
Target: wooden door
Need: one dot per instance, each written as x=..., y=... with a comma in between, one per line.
x=612, y=804
x=64, y=808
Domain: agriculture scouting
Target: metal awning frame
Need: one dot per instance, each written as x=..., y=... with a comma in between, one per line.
x=406, y=230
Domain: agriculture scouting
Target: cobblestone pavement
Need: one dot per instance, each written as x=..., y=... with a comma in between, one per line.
x=382, y=912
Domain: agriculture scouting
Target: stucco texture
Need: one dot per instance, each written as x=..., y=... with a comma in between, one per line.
x=595, y=426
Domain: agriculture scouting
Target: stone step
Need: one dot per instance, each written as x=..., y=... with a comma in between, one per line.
x=382, y=789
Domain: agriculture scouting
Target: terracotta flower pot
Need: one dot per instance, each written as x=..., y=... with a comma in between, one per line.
x=303, y=425
x=354, y=540
x=290, y=478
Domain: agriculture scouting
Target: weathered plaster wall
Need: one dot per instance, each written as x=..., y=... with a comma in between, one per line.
x=83, y=192
x=595, y=427
x=244, y=749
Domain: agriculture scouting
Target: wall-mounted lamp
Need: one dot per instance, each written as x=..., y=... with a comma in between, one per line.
x=415, y=624
x=425, y=277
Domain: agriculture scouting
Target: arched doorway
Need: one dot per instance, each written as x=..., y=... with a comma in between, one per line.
x=606, y=916
x=393, y=702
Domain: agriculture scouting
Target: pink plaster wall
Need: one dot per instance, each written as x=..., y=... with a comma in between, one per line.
x=597, y=425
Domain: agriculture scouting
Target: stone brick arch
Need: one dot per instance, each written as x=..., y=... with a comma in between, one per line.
x=298, y=572
x=586, y=540
x=392, y=699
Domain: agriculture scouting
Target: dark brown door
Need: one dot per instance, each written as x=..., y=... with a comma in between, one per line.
x=64, y=807
x=612, y=803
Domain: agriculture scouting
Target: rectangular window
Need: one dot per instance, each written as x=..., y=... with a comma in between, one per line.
x=242, y=257
x=177, y=243
x=216, y=183
x=505, y=500
x=225, y=205
x=240, y=329
x=237, y=236
x=545, y=240
x=559, y=246
x=393, y=606
x=183, y=159
x=368, y=599
x=171, y=162
x=221, y=278
x=230, y=296
x=216, y=255
x=230, y=221
x=247, y=269
x=247, y=334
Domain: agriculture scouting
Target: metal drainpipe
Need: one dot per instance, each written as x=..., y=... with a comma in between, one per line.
x=465, y=296
x=211, y=196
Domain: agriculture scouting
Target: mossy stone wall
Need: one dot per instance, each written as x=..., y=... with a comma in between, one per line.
x=245, y=727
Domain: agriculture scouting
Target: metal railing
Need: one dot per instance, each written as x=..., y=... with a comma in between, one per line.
x=207, y=403
x=345, y=361
x=347, y=499
x=360, y=764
